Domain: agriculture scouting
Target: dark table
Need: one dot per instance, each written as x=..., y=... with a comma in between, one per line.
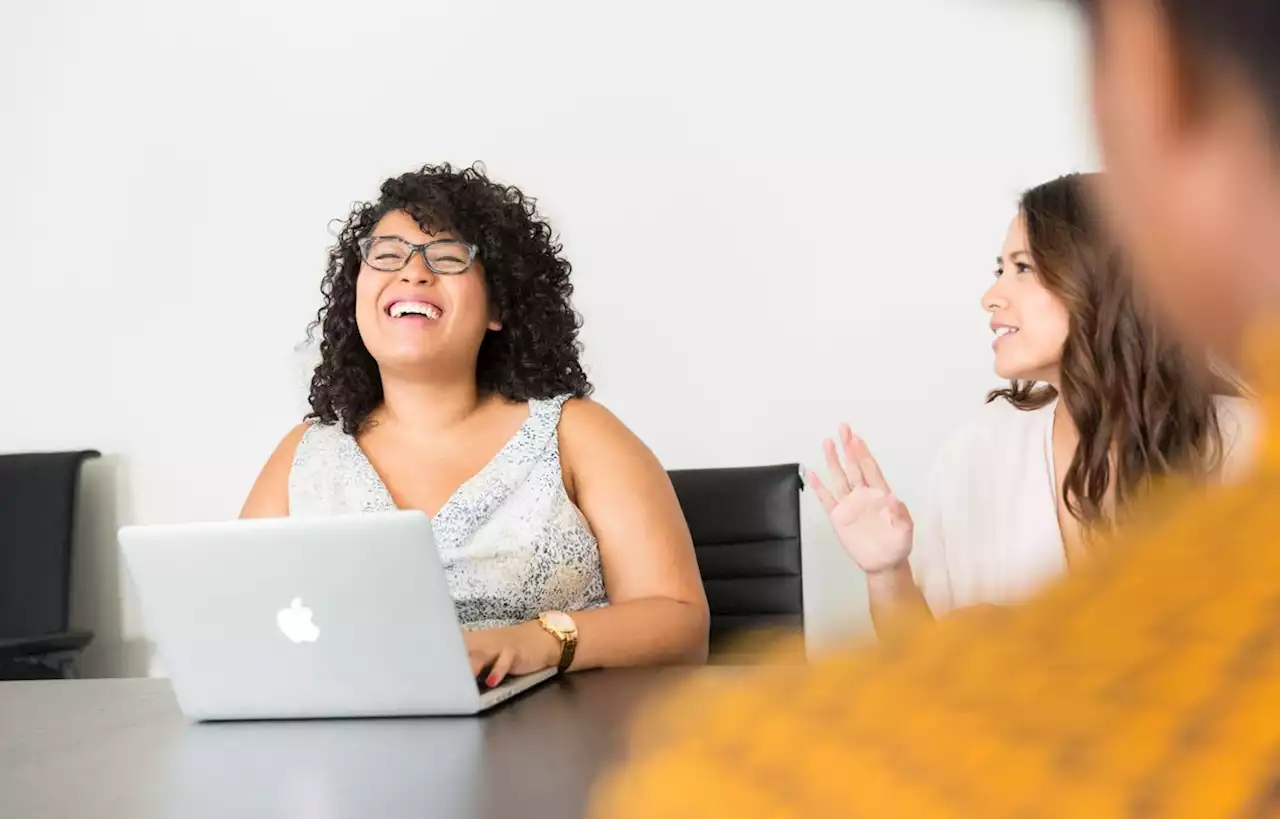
x=121, y=749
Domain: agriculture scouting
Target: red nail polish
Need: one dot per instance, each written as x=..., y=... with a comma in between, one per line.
x=491, y=680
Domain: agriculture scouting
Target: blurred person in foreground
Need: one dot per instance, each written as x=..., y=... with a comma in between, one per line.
x=1145, y=684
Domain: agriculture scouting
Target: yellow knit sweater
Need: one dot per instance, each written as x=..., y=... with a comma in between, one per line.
x=1145, y=685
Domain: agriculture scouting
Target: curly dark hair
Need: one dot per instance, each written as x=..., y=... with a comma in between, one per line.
x=534, y=355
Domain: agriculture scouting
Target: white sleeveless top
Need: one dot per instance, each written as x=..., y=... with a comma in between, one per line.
x=512, y=543
x=990, y=533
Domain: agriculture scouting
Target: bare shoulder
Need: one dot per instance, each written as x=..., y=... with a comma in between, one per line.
x=294, y=435
x=288, y=445
x=596, y=443
x=269, y=496
x=584, y=422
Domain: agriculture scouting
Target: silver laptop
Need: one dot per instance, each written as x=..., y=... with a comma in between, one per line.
x=289, y=618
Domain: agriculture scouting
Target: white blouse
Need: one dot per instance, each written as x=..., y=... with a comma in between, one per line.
x=990, y=533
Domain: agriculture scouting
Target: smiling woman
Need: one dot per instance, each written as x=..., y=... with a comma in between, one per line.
x=450, y=382
x=1101, y=403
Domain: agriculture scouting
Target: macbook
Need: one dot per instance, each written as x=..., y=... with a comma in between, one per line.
x=290, y=618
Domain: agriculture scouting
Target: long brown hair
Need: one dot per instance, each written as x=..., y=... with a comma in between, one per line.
x=1141, y=401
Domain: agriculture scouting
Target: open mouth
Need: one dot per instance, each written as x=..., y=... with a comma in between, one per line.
x=1002, y=331
x=422, y=309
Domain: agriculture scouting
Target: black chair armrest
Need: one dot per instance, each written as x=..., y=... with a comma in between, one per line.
x=14, y=648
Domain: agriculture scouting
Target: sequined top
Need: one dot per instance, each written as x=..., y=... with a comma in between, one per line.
x=512, y=542
x=1146, y=684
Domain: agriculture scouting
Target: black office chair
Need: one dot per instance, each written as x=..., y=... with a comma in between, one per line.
x=37, y=522
x=745, y=523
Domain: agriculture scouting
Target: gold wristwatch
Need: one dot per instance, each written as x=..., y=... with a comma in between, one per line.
x=562, y=627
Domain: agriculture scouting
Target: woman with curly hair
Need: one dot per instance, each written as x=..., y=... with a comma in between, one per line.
x=450, y=382
x=1102, y=402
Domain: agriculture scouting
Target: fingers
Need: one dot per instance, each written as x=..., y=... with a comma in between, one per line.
x=859, y=469
x=835, y=470
x=853, y=469
x=856, y=451
x=479, y=659
x=825, y=497
x=501, y=667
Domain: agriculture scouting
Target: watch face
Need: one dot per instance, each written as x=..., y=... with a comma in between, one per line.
x=560, y=621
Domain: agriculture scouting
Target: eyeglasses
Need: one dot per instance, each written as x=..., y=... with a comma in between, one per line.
x=445, y=257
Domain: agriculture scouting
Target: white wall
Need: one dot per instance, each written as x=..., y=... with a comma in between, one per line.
x=168, y=170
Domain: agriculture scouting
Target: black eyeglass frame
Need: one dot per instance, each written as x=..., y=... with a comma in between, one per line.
x=367, y=242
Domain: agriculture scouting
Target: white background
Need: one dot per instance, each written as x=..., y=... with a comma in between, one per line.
x=168, y=172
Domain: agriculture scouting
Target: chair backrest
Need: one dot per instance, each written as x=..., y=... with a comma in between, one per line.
x=745, y=523
x=37, y=522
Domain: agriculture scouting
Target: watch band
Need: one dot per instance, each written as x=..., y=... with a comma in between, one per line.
x=568, y=645
x=568, y=638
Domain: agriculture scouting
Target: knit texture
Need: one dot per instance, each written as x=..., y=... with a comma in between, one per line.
x=1144, y=685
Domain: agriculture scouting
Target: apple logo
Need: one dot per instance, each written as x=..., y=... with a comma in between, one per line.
x=296, y=624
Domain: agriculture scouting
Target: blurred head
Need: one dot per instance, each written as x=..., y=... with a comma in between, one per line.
x=1067, y=313
x=1187, y=102
x=448, y=275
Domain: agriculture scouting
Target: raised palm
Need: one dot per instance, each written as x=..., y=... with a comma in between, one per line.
x=873, y=526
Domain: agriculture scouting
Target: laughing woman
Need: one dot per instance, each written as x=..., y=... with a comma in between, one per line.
x=450, y=382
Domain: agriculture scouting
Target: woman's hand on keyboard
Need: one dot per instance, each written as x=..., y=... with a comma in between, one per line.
x=514, y=650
